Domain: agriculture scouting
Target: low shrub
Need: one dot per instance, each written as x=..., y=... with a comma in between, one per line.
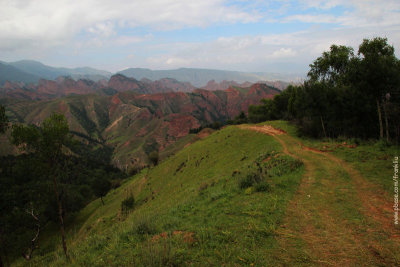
x=262, y=187
x=145, y=228
x=249, y=180
x=127, y=204
x=382, y=144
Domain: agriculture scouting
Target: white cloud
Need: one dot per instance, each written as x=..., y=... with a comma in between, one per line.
x=359, y=12
x=308, y=18
x=52, y=21
x=284, y=52
x=104, y=29
x=174, y=61
x=91, y=30
x=125, y=40
x=289, y=52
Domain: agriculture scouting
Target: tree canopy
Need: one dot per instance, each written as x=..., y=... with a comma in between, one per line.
x=348, y=94
x=51, y=178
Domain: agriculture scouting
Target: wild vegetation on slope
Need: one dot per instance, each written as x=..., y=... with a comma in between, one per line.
x=50, y=167
x=242, y=196
x=219, y=200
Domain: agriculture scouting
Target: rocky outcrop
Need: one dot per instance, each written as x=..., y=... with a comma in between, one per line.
x=122, y=83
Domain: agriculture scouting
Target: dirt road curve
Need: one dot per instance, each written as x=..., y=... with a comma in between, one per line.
x=267, y=129
x=336, y=217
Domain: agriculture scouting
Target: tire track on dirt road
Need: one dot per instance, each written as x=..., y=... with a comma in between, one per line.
x=336, y=217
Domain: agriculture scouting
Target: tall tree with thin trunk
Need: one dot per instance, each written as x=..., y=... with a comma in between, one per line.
x=386, y=120
x=48, y=142
x=327, y=75
x=379, y=70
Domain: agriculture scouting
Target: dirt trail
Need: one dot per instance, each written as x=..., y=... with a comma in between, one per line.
x=376, y=202
x=336, y=217
x=267, y=129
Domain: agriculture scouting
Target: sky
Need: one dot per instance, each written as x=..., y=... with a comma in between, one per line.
x=253, y=36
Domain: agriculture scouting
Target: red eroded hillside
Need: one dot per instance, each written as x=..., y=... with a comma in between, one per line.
x=121, y=84
x=63, y=86
x=133, y=123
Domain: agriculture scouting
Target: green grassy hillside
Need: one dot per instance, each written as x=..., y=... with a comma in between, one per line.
x=253, y=195
x=197, y=207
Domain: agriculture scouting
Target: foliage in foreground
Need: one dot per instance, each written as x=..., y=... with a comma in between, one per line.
x=28, y=201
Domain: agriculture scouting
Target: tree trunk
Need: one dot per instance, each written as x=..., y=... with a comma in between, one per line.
x=380, y=119
x=28, y=256
x=323, y=127
x=386, y=121
x=60, y=216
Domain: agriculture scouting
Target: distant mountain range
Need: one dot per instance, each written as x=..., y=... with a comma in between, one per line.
x=13, y=74
x=132, y=124
x=64, y=86
x=133, y=112
x=200, y=77
x=28, y=71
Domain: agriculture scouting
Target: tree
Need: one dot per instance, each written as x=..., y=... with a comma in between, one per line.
x=240, y=119
x=101, y=187
x=332, y=66
x=48, y=142
x=379, y=72
x=345, y=94
x=260, y=113
x=3, y=120
x=154, y=157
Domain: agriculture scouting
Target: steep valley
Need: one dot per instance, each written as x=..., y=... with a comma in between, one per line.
x=133, y=124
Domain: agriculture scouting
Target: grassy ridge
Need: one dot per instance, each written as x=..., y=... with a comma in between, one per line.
x=234, y=199
x=190, y=209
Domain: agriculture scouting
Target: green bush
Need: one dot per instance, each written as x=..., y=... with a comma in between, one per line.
x=245, y=182
x=128, y=203
x=154, y=157
x=145, y=228
x=382, y=144
x=262, y=187
x=249, y=180
x=133, y=170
